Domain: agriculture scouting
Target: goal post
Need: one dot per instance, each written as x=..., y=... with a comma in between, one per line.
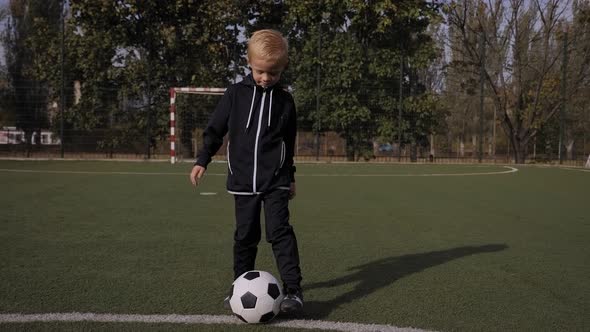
x=587, y=165
x=174, y=119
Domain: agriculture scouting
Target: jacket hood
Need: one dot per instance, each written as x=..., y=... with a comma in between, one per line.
x=249, y=81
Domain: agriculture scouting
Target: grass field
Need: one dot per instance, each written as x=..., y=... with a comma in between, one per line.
x=447, y=248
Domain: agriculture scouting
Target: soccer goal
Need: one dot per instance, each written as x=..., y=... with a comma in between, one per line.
x=587, y=162
x=189, y=118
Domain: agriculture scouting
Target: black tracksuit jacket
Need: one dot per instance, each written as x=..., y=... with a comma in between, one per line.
x=261, y=123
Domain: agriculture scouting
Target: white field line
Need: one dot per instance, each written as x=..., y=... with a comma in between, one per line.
x=510, y=170
x=575, y=169
x=47, y=171
x=197, y=319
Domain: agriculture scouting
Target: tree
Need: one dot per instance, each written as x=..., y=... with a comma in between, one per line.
x=424, y=117
x=24, y=58
x=577, y=115
x=7, y=111
x=141, y=48
x=361, y=46
x=460, y=90
x=524, y=43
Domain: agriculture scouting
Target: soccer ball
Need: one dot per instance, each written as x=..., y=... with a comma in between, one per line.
x=255, y=297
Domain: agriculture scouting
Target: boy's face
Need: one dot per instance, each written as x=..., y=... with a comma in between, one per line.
x=265, y=73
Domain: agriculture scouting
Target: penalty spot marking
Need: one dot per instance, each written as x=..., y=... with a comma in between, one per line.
x=198, y=319
x=208, y=193
x=509, y=170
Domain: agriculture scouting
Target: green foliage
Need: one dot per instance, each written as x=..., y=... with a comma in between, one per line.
x=140, y=49
x=125, y=55
x=425, y=116
x=361, y=45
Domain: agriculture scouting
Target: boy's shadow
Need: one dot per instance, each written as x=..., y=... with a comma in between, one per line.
x=374, y=275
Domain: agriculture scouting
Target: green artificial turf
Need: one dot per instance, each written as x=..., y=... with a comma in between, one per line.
x=379, y=244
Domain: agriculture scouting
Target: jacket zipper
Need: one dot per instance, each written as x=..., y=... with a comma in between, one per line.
x=256, y=142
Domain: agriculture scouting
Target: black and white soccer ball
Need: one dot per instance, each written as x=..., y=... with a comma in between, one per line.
x=255, y=297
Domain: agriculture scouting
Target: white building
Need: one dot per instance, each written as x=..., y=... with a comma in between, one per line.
x=12, y=135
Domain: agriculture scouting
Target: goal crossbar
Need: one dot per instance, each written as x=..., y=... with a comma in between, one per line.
x=190, y=90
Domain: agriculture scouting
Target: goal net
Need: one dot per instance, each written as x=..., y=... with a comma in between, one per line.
x=587, y=162
x=190, y=108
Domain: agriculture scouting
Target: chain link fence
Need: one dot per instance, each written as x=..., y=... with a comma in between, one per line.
x=121, y=127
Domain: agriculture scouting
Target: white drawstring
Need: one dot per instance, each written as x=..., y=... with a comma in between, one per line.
x=251, y=108
x=261, y=109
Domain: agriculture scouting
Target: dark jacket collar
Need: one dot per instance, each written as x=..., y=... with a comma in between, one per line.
x=249, y=81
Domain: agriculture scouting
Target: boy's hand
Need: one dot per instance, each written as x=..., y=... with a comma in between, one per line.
x=196, y=174
x=292, y=191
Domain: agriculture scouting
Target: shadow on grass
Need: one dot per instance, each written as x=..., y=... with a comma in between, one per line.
x=380, y=273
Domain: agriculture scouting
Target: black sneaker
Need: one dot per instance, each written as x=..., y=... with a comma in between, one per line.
x=226, y=304
x=292, y=303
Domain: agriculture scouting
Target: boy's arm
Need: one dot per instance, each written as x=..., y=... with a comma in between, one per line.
x=212, y=137
x=215, y=131
x=290, y=145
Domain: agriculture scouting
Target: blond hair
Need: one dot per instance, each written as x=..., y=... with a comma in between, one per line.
x=269, y=45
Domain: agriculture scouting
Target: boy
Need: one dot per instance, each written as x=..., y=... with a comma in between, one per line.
x=261, y=121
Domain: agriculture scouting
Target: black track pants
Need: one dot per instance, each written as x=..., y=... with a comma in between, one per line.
x=279, y=234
